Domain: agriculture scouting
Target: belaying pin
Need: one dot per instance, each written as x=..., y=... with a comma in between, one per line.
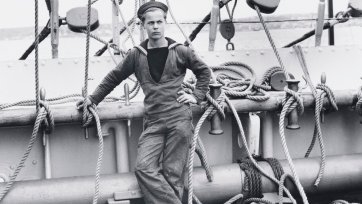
x=215, y=128
x=47, y=165
x=293, y=115
x=127, y=103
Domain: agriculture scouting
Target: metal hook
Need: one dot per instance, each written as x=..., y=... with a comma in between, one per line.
x=230, y=46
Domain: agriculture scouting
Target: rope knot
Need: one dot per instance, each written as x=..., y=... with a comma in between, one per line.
x=293, y=100
x=48, y=121
x=85, y=105
x=326, y=91
x=217, y=104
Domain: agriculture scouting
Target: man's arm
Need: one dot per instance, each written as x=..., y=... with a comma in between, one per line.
x=202, y=73
x=123, y=70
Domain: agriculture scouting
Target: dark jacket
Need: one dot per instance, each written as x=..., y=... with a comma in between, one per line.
x=159, y=97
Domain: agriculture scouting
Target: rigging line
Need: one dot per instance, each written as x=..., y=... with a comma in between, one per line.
x=272, y=43
x=85, y=88
x=174, y=19
x=266, y=21
x=36, y=56
x=124, y=21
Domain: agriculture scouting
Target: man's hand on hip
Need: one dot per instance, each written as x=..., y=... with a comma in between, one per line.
x=186, y=98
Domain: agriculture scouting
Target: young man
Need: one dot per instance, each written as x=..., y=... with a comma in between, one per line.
x=159, y=64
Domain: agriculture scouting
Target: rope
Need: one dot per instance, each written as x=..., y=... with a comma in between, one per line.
x=257, y=200
x=178, y=25
x=115, y=2
x=201, y=24
x=201, y=153
x=317, y=127
x=194, y=140
x=319, y=97
x=113, y=46
x=291, y=101
x=85, y=87
x=132, y=20
x=93, y=110
x=281, y=186
x=235, y=198
x=341, y=202
x=245, y=145
x=272, y=42
x=274, y=164
x=36, y=56
x=241, y=87
x=44, y=117
x=252, y=180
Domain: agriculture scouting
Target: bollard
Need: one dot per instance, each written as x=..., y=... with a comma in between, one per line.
x=293, y=116
x=215, y=129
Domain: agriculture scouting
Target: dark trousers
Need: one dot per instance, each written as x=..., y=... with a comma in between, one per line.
x=162, y=157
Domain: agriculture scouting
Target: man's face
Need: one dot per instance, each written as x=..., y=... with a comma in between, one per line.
x=154, y=24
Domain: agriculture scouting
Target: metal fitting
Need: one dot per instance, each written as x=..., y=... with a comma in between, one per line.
x=293, y=123
x=215, y=129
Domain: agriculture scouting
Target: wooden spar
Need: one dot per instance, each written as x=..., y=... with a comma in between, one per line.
x=215, y=14
x=342, y=174
x=115, y=25
x=54, y=25
x=113, y=111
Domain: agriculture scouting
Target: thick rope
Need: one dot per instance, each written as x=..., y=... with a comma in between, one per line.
x=44, y=116
x=93, y=110
x=241, y=87
x=290, y=99
x=324, y=91
x=234, y=199
x=192, y=151
x=250, y=156
x=272, y=42
x=252, y=184
x=341, y=202
x=36, y=56
x=257, y=200
x=281, y=186
x=85, y=87
x=201, y=153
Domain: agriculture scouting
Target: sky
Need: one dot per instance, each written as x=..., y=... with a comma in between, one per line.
x=20, y=13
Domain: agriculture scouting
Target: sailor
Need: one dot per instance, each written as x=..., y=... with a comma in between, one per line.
x=160, y=64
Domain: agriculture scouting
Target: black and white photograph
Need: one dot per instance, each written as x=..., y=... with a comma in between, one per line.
x=181, y=102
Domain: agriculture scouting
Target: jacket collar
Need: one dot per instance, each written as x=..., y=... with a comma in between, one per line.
x=143, y=46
